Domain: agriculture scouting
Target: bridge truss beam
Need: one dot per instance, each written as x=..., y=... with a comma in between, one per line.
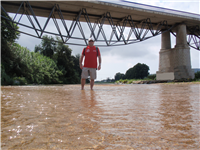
x=125, y=31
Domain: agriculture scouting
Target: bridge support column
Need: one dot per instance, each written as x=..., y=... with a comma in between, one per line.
x=175, y=64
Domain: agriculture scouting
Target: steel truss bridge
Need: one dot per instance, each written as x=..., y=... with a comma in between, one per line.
x=110, y=24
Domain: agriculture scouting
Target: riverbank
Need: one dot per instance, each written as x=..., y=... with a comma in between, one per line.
x=132, y=81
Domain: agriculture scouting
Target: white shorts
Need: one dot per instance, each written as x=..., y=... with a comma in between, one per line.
x=88, y=72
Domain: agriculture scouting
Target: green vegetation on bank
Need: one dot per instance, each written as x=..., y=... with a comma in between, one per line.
x=139, y=74
x=136, y=73
x=130, y=81
x=25, y=67
x=197, y=75
x=139, y=71
x=61, y=55
x=152, y=78
x=50, y=63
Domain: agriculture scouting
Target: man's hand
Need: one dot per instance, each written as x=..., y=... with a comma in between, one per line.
x=99, y=67
x=80, y=61
x=81, y=66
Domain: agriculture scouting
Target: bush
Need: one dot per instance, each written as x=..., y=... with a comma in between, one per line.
x=129, y=81
x=124, y=81
x=197, y=75
x=19, y=81
x=139, y=71
x=152, y=76
x=34, y=67
x=5, y=79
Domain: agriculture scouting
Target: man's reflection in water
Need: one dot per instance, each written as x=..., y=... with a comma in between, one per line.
x=93, y=101
x=88, y=98
x=176, y=116
x=92, y=114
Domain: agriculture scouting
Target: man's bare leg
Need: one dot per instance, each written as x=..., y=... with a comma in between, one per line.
x=91, y=84
x=82, y=84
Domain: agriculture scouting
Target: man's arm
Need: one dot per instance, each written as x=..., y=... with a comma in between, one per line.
x=80, y=61
x=99, y=67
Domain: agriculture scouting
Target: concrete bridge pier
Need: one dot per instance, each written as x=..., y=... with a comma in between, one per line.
x=175, y=63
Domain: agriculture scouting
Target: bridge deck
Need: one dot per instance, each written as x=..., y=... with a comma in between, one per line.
x=117, y=9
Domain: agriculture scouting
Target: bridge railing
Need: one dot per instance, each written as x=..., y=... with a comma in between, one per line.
x=152, y=8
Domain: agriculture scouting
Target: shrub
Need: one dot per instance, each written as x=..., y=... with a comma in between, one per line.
x=129, y=81
x=34, y=67
x=152, y=76
x=124, y=81
x=139, y=71
x=197, y=75
x=5, y=79
x=19, y=81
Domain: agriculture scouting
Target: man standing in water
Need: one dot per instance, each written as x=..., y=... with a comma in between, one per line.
x=90, y=63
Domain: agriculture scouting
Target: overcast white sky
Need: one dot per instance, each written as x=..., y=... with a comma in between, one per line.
x=115, y=60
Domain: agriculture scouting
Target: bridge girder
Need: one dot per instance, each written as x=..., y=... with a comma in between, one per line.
x=139, y=30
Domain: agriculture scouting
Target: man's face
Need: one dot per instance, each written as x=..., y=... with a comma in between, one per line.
x=91, y=43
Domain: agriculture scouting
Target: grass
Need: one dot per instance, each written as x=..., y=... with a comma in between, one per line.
x=130, y=81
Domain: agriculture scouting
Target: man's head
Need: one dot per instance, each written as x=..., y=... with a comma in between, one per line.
x=91, y=41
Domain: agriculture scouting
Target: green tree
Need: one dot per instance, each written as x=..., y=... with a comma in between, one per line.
x=108, y=79
x=47, y=46
x=139, y=71
x=130, y=74
x=197, y=75
x=9, y=34
x=35, y=67
x=77, y=66
x=61, y=54
x=65, y=63
x=152, y=76
x=5, y=79
x=9, y=29
x=119, y=76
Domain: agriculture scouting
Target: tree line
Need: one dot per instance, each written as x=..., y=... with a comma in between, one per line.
x=139, y=71
x=50, y=63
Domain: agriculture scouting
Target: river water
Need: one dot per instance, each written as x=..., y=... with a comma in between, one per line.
x=153, y=116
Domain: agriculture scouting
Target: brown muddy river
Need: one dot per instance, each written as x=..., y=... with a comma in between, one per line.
x=121, y=117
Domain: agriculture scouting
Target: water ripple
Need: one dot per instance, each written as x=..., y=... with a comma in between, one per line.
x=157, y=116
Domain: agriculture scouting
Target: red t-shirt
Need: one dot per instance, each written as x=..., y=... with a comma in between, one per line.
x=90, y=54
